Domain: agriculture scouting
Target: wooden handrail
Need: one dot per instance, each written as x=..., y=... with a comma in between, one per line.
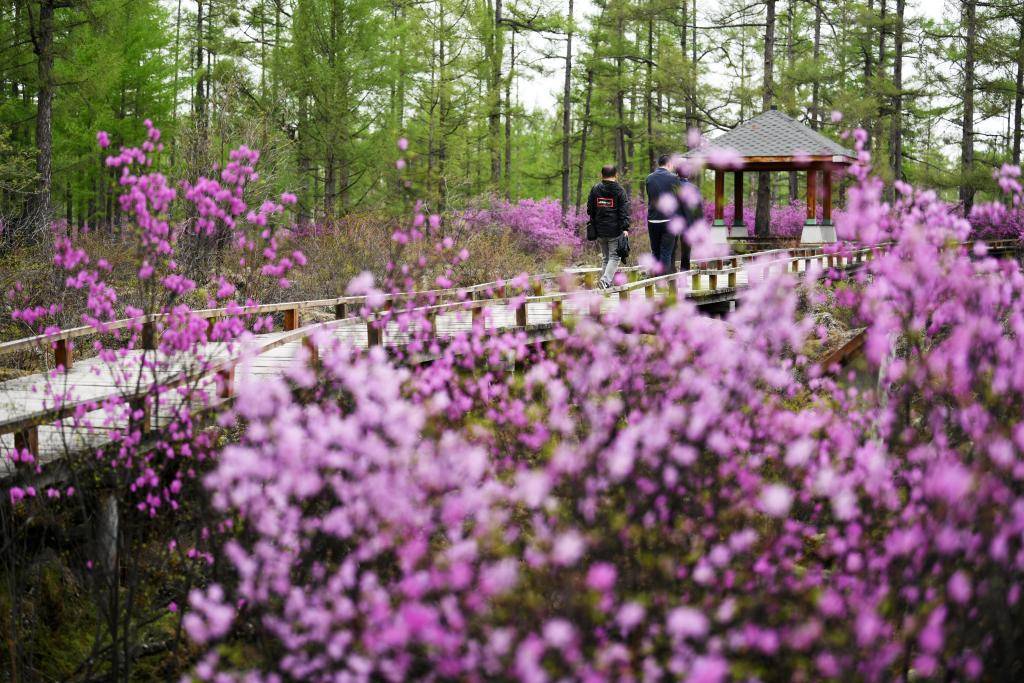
x=340, y=302
x=556, y=299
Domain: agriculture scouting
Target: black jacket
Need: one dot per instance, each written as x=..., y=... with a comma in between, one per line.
x=659, y=183
x=691, y=213
x=608, y=208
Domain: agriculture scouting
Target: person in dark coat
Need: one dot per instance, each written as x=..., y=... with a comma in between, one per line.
x=691, y=208
x=608, y=209
x=662, y=207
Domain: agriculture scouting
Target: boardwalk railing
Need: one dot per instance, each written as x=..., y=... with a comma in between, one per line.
x=720, y=274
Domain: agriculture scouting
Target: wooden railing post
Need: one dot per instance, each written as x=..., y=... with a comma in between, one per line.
x=62, y=354
x=291, y=319
x=649, y=291
x=623, y=295
x=713, y=280
x=732, y=279
x=148, y=336
x=374, y=334
x=314, y=352
x=556, y=311
x=145, y=420
x=27, y=440
x=521, y=315
x=478, y=315
x=339, y=311
x=695, y=282
x=226, y=382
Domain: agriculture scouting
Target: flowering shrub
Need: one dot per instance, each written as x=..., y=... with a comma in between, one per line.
x=537, y=223
x=134, y=434
x=649, y=494
x=658, y=495
x=995, y=220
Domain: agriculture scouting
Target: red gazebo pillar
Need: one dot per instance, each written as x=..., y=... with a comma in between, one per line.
x=826, y=209
x=737, y=199
x=719, y=197
x=812, y=196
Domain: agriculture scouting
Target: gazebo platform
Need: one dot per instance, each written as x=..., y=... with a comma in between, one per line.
x=770, y=142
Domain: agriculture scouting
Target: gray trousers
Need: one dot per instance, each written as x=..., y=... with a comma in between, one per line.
x=609, y=259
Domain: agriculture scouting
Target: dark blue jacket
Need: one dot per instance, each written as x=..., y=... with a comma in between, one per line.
x=659, y=183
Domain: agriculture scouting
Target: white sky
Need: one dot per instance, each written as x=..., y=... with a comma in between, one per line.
x=545, y=91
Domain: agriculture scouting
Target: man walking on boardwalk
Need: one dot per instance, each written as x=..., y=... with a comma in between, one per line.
x=608, y=209
x=691, y=209
x=663, y=206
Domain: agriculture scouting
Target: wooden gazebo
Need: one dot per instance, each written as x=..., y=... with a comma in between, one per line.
x=774, y=142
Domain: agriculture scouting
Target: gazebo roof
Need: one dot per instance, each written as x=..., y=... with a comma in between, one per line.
x=776, y=137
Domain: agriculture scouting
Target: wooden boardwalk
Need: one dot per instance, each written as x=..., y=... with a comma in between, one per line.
x=35, y=411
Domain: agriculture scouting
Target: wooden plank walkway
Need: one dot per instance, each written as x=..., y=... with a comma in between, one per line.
x=32, y=407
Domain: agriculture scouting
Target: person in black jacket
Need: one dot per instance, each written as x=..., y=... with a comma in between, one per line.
x=662, y=208
x=608, y=209
x=691, y=207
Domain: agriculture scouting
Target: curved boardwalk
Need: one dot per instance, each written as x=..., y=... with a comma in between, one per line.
x=32, y=407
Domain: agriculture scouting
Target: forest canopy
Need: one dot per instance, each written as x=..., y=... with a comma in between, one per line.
x=509, y=98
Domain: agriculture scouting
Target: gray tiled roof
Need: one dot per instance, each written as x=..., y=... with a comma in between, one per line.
x=773, y=134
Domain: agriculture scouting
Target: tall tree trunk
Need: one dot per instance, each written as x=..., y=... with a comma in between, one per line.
x=762, y=216
x=816, y=83
x=967, y=139
x=40, y=208
x=620, y=105
x=304, y=164
x=896, y=132
x=566, y=113
x=444, y=103
x=508, y=116
x=868, y=70
x=649, y=93
x=1019, y=99
x=200, y=95
x=880, y=70
x=583, y=138
x=688, y=99
x=693, y=61
x=494, y=95
x=794, y=190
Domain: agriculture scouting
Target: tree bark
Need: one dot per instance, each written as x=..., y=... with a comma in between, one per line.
x=583, y=138
x=40, y=209
x=967, y=139
x=566, y=113
x=620, y=106
x=816, y=84
x=687, y=85
x=494, y=96
x=649, y=98
x=896, y=133
x=508, y=116
x=879, y=122
x=794, y=189
x=762, y=216
x=1019, y=99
